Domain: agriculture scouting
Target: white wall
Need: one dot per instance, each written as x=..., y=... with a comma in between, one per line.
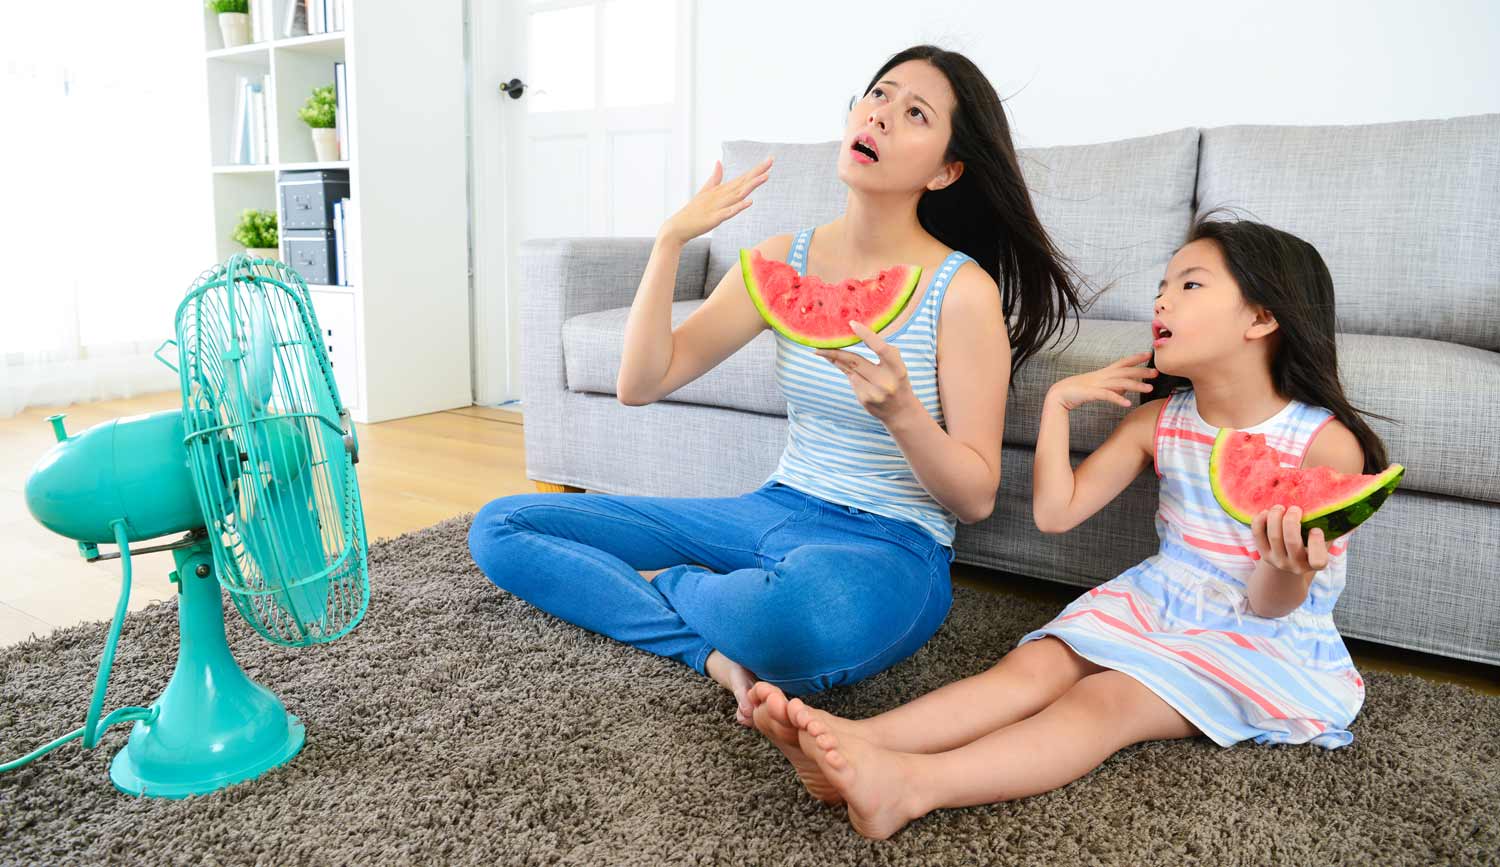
x=1074, y=72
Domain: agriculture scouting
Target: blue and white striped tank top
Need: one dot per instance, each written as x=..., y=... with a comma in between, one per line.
x=835, y=449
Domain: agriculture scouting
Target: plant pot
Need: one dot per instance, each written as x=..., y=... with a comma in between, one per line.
x=235, y=28
x=326, y=144
x=263, y=253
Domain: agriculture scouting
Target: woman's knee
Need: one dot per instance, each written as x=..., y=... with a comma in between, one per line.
x=828, y=643
x=489, y=531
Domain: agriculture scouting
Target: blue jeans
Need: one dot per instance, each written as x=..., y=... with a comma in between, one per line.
x=806, y=593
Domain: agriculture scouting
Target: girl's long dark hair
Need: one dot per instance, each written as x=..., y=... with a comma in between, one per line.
x=987, y=213
x=1284, y=274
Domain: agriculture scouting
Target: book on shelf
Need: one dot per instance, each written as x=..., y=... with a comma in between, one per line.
x=340, y=276
x=296, y=19
x=311, y=17
x=349, y=270
x=249, y=143
x=261, y=28
x=341, y=114
x=257, y=121
x=237, y=136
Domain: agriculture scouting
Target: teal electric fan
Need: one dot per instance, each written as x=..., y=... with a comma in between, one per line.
x=257, y=470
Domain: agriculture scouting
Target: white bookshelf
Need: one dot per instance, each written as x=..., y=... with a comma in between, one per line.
x=399, y=341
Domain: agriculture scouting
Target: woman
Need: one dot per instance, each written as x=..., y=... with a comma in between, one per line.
x=836, y=567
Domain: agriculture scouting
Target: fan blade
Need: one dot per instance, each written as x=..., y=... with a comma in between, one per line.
x=284, y=537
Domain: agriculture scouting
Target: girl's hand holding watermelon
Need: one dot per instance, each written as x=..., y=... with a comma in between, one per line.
x=714, y=203
x=1278, y=538
x=1107, y=383
x=884, y=388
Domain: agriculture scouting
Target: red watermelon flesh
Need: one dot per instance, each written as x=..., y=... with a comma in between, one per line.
x=814, y=313
x=1248, y=478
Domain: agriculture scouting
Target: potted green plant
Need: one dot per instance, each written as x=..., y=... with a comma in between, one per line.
x=234, y=20
x=319, y=114
x=257, y=232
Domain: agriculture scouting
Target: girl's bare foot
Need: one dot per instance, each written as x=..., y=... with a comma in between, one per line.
x=875, y=782
x=737, y=679
x=798, y=714
x=769, y=709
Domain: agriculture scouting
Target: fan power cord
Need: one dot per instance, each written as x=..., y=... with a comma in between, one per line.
x=93, y=728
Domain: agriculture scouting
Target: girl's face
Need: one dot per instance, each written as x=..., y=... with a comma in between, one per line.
x=1202, y=320
x=896, y=136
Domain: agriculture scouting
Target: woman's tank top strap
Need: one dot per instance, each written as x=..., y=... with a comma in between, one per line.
x=797, y=256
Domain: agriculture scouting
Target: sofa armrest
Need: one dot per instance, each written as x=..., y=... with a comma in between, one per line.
x=564, y=277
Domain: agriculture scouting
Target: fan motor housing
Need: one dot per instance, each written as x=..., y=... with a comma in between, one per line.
x=135, y=468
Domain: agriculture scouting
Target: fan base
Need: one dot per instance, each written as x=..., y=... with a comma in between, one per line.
x=213, y=725
x=199, y=778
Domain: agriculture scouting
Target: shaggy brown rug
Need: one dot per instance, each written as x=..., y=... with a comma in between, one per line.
x=457, y=725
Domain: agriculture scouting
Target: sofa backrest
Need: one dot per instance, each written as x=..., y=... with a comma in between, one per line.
x=1407, y=215
x=1118, y=210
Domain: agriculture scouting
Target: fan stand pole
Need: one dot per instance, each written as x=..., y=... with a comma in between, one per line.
x=216, y=726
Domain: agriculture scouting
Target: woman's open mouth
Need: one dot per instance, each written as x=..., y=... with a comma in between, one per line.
x=864, y=150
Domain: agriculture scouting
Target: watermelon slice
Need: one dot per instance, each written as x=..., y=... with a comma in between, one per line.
x=1248, y=478
x=817, y=314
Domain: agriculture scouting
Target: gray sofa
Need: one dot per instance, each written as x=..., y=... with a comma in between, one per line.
x=1407, y=216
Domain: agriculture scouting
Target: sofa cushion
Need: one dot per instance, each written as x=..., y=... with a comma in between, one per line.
x=1407, y=215
x=593, y=343
x=1445, y=398
x=1118, y=210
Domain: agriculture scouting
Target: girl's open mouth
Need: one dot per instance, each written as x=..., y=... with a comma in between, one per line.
x=1160, y=333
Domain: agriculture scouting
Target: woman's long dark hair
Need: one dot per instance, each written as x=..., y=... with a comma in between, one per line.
x=1284, y=274
x=987, y=213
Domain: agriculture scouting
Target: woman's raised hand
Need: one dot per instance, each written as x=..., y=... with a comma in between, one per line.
x=714, y=203
x=1107, y=383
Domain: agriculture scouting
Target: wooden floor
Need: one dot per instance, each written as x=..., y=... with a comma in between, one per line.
x=413, y=473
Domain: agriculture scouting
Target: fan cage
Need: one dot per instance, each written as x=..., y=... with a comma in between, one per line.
x=261, y=436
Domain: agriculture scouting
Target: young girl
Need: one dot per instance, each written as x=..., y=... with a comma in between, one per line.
x=836, y=567
x=1226, y=632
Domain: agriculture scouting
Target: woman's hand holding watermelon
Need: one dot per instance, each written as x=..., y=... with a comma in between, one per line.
x=1107, y=383
x=1278, y=538
x=714, y=203
x=884, y=388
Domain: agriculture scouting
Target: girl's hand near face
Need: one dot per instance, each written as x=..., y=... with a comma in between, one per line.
x=1107, y=383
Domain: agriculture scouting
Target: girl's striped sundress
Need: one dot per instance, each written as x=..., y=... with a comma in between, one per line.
x=1179, y=621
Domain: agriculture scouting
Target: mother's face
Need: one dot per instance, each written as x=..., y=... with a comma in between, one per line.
x=896, y=136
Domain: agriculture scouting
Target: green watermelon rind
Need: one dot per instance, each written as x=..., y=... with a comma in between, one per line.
x=1334, y=519
x=753, y=287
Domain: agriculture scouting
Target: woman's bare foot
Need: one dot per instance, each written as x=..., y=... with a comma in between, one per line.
x=876, y=783
x=737, y=679
x=769, y=709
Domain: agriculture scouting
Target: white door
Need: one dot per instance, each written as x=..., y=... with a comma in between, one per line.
x=592, y=141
